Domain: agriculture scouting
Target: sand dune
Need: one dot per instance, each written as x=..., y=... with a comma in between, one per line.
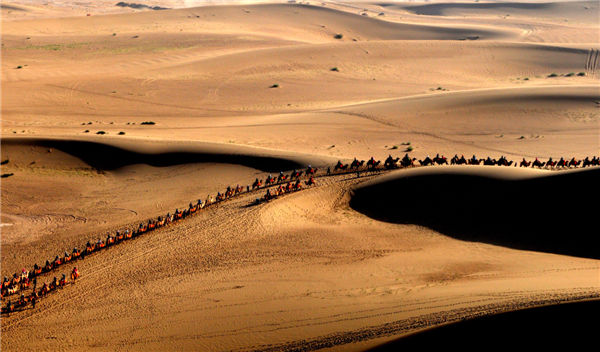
x=79, y=171
x=579, y=11
x=304, y=23
x=240, y=82
x=504, y=207
x=311, y=260
x=537, y=21
x=114, y=118
x=516, y=121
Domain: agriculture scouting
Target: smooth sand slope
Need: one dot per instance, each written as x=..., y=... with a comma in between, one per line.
x=233, y=93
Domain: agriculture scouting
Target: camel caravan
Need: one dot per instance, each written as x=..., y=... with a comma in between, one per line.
x=286, y=183
x=396, y=163
x=276, y=187
x=23, y=282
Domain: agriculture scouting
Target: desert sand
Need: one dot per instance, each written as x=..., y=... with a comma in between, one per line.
x=113, y=115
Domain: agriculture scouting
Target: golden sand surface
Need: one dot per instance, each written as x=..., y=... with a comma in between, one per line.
x=239, y=91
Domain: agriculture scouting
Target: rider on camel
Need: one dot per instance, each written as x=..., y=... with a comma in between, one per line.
x=22, y=301
x=74, y=274
x=54, y=283
x=44, y=289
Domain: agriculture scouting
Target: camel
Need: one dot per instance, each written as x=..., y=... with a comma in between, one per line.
x=390, y=163
x=537, y=163
x=373, y=164
x=295, y=174
x=74, y=274
x=551, y=163
x=281, y=177
x=574, y=163
x=458, y=161
x=562, y=163
x=356, y=164
x=489, y=161
x=407, y=161
x=270, y=180
x=474, y=161
x=340, y=166
x=311, y=170
x=504, y=162
x=256, y=184
x=310, y=182
x=440, y=160
x=426, y=162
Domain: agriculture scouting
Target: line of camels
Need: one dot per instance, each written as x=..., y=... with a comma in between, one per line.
x=276, y=186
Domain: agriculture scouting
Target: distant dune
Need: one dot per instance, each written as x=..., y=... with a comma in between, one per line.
x=303, y=23
x=586, y=11
x=524, y=209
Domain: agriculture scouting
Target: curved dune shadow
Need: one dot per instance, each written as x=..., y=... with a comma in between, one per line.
x=542, y=327
x=111, y=157
x=440, y=9
x=555, y=213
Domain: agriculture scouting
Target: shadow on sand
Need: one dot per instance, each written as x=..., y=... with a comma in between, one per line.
x=569, y=325
x=555, y=213
x=111, y=157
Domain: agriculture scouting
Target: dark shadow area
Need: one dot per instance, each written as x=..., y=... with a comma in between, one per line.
x=544, y=328
x=556, y=213
x=438, y=9
x=140, y=6
x=108, y=157
x=11, y=8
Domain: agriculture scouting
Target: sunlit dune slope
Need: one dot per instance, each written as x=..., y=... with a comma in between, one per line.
x=92, y=187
